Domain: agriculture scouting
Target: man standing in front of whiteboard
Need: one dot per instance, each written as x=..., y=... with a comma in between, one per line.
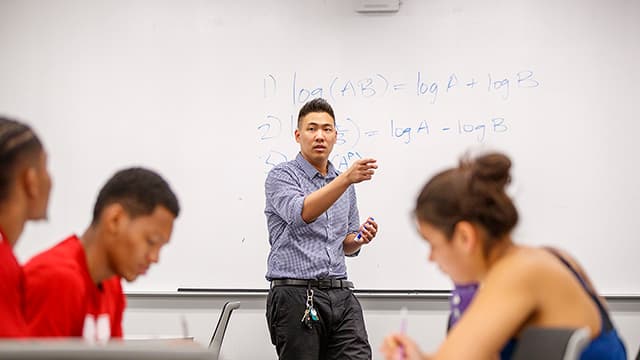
x=313, y=223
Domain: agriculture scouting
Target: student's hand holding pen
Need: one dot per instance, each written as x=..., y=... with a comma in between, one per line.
x=398, y=346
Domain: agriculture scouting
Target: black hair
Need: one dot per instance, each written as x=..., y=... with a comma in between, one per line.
x=17, y=143
x=475, y=192
x=316, y=105
x=139, y=191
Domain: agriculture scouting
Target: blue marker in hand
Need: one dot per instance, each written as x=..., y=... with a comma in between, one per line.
x=359, y=236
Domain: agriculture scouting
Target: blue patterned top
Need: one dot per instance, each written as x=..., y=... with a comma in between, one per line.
x=300, y=250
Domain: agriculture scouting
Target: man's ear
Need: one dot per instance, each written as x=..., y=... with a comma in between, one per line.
x=112, y=218
x=296, y=134
x=466, y=235
x=29, y=179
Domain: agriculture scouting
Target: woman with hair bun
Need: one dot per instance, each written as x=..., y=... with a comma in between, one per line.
x=467, y=218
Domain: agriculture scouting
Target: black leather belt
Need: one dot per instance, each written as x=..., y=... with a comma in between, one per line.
x=320, y=283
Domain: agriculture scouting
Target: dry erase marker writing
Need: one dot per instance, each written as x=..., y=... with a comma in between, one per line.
x=359, y=236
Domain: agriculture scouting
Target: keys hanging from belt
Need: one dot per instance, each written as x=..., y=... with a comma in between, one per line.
x=310, y=313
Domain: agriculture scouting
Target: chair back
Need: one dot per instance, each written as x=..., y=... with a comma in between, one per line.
x=551, y=343
x=218, y=334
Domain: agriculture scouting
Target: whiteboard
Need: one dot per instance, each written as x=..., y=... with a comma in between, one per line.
x=206, y=93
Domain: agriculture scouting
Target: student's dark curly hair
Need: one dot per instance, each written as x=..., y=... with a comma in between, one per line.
x=18, y=143
x=139, y=191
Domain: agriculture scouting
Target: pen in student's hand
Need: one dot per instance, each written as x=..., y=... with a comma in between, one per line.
x=404, y=318
x=359, y=236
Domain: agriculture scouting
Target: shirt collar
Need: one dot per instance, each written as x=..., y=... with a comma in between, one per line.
x=311, y=171
x=3, y=237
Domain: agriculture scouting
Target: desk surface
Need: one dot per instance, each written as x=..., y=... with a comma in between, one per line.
x=78, y=349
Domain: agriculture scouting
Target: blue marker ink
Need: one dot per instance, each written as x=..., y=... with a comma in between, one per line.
x=359, y=236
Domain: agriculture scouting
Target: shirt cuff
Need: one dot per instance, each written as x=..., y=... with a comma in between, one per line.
x=296, y=212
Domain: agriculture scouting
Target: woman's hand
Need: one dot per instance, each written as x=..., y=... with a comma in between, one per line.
x=401, y=347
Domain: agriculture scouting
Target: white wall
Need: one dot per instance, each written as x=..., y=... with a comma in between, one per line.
x=159, y=315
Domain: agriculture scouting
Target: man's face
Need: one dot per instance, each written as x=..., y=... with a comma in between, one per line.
x=138, y=242
x=41, y=188
x=316, y=135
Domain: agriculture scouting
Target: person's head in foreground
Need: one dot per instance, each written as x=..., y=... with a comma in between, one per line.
x=466, y=218
x=132, y=220
x=25, y=183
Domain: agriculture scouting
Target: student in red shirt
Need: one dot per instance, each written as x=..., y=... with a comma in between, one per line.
x=24, y=194
x=73, y=289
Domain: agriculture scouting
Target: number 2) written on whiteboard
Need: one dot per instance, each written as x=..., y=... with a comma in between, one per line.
x=271, y=128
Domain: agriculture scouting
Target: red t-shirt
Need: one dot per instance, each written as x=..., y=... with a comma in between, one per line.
x=11, y=292
x=61, y=299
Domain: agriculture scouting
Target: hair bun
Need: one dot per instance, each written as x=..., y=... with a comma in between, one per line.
x=474, y=192
x=491, y=169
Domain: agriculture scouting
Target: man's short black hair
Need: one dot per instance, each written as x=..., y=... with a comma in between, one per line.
x=316, y=105
x=139, y=191
x=17, y=142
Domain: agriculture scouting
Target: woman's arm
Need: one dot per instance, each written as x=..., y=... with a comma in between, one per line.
x=506, y=299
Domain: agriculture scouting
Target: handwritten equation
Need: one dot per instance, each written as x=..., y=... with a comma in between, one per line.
x=350, y=135
x=422, y=91
x=379, y=85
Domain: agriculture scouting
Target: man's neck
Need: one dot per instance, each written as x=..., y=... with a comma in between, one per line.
x=322, y=166
x=99, y=269
x=323, y=170
x=12, y=223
